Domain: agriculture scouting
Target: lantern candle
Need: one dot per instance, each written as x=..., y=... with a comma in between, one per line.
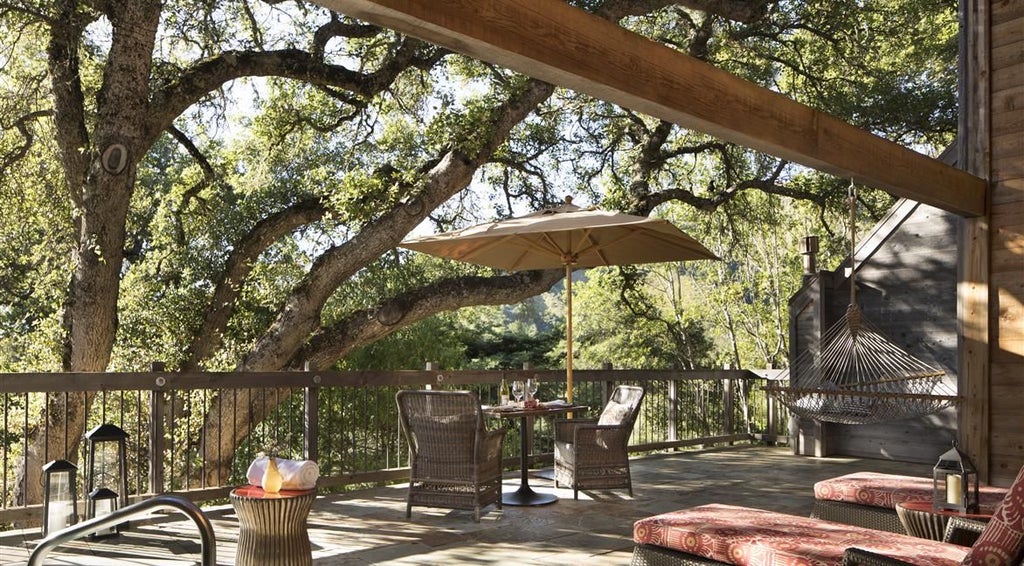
x=954, y=490
x=59, y=517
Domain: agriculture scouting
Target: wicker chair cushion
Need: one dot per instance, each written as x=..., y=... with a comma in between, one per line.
x=614, y=413
x=564, y=452
x=1002, y=541
x=746, y=536
x=886, y=490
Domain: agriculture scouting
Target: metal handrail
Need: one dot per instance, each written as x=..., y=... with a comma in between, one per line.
x=77, y=531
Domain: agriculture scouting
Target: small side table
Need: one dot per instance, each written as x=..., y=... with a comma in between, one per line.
x=272, y=527
x=922, y=520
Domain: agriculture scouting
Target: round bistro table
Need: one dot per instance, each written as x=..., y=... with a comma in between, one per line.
x=525, y=496
x=272, y=526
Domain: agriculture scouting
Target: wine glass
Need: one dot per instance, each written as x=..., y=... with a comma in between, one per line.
x=517, y=391
x=531, y=388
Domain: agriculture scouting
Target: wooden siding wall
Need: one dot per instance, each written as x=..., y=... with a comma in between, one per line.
x=906, y=287
x=810, y=315
x=1006, y=267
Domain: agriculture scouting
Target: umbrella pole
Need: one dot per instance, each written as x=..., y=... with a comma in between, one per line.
x=568, y=333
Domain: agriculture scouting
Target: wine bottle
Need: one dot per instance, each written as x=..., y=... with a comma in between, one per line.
x=503, y=393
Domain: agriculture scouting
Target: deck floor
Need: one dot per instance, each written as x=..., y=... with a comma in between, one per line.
x=369, y=527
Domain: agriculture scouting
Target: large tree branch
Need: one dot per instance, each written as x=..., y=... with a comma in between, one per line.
x=19, y=151
x=745, y=11
x=337, y=27
x=364, y=327
x=198, y=81
x=66, y=30
x=237, y=268
x=299, y=317
x=721, y=196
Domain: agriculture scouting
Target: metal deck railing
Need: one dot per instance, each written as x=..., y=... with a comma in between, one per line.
x=194, y=434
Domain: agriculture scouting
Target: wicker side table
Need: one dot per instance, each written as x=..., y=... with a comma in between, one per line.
x=272, y=527
x=921, y=520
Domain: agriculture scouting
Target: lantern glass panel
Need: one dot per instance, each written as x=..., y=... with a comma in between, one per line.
x=103, y=502
x=60, y=496
x=107, y=470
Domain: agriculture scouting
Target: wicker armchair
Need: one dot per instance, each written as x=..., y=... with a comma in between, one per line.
x=455, y=461
x=591, y=454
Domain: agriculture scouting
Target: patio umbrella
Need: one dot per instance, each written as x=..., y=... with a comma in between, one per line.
x=564, y=236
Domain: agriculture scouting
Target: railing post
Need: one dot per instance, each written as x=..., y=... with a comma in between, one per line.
x=157, y=442
x=607, y=386
x=673, y=409
x=310, y=420
x=673, y=432
x=727, y=402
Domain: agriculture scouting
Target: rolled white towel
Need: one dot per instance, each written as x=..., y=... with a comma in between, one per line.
x=297, y=474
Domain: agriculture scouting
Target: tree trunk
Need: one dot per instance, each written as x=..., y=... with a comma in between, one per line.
x=99, y=171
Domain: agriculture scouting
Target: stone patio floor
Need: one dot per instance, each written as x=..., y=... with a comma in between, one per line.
x=369, y=526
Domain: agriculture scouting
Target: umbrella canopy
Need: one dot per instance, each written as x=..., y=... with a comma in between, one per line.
x=565, y=236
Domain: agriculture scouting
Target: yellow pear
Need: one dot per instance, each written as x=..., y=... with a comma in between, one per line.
x=272, y=479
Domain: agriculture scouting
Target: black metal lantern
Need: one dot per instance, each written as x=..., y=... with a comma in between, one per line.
x=955, y=484
x=60, y=496
x=108, y=465
x=103, y=501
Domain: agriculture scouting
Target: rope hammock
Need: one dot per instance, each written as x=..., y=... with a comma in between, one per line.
x=856, y=375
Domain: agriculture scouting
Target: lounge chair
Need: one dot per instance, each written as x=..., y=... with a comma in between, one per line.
x=721, y=534
x=868, y=499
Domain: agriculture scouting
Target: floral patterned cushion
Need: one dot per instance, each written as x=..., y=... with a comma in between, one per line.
x=886, y=490
x=1002, y=541
x=746, y=536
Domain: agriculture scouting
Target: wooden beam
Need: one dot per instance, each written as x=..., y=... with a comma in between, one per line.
x=975, y=321
x=555, y=42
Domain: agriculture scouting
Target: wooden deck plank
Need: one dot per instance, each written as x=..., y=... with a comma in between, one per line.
x=369, y=526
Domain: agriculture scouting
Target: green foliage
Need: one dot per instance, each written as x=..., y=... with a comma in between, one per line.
x=508, y=337
x=271, y=142
x=886, y=65
x=638, y=327
x=434, y=339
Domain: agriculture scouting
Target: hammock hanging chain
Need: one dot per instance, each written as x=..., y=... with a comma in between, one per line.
x=852, y=200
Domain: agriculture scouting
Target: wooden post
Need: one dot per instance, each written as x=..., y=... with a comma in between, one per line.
x=974, y=276
x=606, y=386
